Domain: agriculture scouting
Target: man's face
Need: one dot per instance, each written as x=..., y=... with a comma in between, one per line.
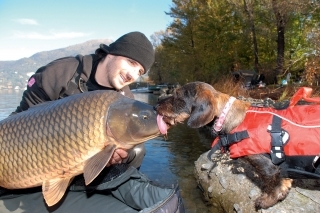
x=118, y=71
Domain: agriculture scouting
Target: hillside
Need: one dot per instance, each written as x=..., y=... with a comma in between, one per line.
x=14, y=73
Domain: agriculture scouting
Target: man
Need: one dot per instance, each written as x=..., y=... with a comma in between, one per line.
x=112, y=67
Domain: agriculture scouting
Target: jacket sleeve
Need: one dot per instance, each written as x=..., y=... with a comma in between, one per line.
x=49, y=82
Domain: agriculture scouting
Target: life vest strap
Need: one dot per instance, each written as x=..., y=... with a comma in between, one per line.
x=302, y=167
x=228, y=139
x=276, y=152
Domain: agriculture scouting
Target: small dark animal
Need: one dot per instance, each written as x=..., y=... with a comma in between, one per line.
x=201, y=104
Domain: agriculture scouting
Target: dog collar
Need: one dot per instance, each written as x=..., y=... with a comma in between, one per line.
x=218, y=124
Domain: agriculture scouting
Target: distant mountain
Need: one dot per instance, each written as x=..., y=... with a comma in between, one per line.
x=15, y=72
x=83, y=49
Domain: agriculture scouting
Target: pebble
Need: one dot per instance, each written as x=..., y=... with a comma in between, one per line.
x=206, y=166
x=222, y=191
x=237, y=208
x=253, y=193
x=223, y=182
x=241, y=177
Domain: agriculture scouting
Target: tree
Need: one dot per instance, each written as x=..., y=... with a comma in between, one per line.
x=208, y=39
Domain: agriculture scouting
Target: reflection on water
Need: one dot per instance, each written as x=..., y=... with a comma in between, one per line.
x=172, y=160
x=167, y=161
x=146, y=97
x=9, y=100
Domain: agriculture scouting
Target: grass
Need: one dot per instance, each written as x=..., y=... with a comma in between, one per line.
x=275, y=92
x=230, y=87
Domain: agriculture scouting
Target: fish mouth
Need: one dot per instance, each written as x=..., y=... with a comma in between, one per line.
x=132, y=121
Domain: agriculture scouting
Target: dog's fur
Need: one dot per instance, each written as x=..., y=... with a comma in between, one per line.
x=202, y=104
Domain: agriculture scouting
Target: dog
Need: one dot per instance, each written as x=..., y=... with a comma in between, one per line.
x=201, y=104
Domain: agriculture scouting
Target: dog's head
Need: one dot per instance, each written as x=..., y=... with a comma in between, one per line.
x=194, y=101
x=201, y=104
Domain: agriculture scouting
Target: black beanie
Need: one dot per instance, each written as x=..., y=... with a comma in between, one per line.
x=134, y=45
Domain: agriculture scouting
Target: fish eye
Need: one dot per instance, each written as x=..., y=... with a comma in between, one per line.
x=145, y=115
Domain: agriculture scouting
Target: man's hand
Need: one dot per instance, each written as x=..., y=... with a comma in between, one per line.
x=118, y=156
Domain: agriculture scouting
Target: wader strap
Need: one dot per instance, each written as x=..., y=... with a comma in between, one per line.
x=79, y=80
x=276, y=153
x=228, y=139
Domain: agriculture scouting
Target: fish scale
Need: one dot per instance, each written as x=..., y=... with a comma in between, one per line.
x=34, y=142
x=51, y=143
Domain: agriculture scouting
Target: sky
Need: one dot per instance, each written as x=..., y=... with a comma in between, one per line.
x=31, y=26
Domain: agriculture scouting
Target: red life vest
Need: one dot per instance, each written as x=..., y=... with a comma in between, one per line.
x=301, y=122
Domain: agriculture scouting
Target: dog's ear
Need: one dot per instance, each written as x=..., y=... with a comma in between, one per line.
x=202, y=113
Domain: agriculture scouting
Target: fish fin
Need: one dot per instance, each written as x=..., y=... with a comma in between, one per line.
x=97, y=163
x=53, y=190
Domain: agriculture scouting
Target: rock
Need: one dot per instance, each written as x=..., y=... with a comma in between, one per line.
x=231, y=186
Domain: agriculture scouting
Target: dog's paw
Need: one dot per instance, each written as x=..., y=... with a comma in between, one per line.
x=284, y=189
x=279, y=193
x=265, y=201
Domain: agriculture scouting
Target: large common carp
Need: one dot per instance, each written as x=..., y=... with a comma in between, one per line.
x=51, y=143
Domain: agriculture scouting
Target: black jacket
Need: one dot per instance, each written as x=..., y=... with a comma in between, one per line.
x=61, y=78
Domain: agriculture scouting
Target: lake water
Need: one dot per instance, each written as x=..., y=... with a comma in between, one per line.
x=168, y=161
